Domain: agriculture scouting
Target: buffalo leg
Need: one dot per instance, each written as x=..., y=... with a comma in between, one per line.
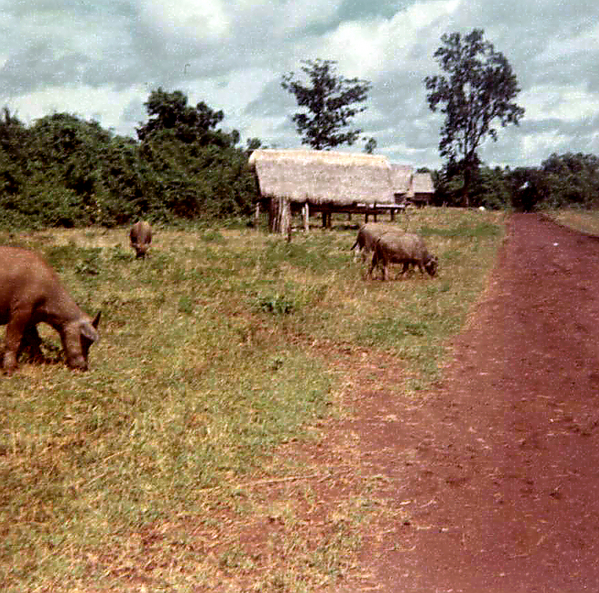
x=14, y=335
x=31, y=343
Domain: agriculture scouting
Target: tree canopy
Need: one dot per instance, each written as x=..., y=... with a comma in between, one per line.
x=477, y=91
x=170, y=112
x=65, y=171
x=330, y=100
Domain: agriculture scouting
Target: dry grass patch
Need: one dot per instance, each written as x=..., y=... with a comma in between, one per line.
x=187, y=458
x=586, y=221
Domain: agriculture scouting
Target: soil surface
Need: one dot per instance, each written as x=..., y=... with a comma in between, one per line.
x=494, y=476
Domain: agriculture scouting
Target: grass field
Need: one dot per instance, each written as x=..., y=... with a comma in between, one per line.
x=586, y=221
x=215, y=352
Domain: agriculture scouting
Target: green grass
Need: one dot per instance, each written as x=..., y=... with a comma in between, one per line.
x=208, y=363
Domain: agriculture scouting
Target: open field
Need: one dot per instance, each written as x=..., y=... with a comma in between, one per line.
x=216, y=352
x=586, y=221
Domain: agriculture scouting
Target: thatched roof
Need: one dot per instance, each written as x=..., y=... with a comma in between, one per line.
x=423, y=183
x=401, y=179
x=322, y=177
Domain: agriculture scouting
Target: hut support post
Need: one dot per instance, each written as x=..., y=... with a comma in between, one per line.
x=306, y=216
x=280, y=216
x=257, y=215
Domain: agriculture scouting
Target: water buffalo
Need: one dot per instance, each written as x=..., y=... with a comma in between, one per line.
x=140, y=236
x=367, y=237
x=31, y=293
x=402, y=248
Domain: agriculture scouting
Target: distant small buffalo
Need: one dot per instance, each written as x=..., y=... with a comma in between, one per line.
x=31, y=293
x=140, y=236
x=402, y=248
x=368, y=235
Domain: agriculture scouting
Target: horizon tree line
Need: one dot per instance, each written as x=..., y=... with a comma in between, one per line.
x=65, y=171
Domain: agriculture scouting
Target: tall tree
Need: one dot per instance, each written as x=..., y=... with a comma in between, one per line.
x=331, y=102
x=13, y=139
x=478, y=90
x=170, y=111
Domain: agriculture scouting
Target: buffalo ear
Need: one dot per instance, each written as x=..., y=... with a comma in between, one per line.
x=96, y=320
x=88, y=331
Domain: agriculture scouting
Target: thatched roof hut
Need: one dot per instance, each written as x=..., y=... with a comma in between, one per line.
x=402, y=181
x=423, y=188
x=322, y=177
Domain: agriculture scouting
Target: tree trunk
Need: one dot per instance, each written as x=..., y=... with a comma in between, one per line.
x=467, y=184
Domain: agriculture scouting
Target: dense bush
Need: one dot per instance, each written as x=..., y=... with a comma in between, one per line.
x=561, y=181
x=64, y=171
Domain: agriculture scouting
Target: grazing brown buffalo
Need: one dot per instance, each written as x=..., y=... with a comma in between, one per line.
x=402, y=248
x=368, y=235
x=141, y=237
x=31, y=293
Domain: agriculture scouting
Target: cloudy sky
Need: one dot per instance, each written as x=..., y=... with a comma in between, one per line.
x=100, y=60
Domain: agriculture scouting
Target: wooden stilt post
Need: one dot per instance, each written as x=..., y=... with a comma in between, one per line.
x=306, y=216
x=280, y=215
x=257, y=215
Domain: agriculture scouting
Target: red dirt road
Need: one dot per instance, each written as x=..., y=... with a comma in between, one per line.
x=496, y=472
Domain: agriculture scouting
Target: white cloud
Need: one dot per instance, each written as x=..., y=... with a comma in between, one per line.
x=586, y=40
x=564, y=103
x=104, y=105
x=301, y=14
x=542, y=144
x=374, y=47
x=190, y=18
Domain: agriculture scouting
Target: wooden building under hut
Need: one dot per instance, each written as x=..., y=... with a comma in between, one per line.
x=402, y=178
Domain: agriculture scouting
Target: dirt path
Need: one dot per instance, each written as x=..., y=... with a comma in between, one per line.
x=495, y=475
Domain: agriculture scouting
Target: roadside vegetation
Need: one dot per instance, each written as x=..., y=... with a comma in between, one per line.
x=586, y=221
x=219, y=354
x=185, y=165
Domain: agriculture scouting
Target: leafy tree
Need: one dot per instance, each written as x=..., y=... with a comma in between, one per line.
x=63, y=156
x=13, y=138
x=528, y=188
x=492, y=189
x=478, y=90
x=370, y=146
x=253, y=144
x=170, y=112
x=123, y=191
x=64, y=171
x=572, y=179
x=331, y=101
